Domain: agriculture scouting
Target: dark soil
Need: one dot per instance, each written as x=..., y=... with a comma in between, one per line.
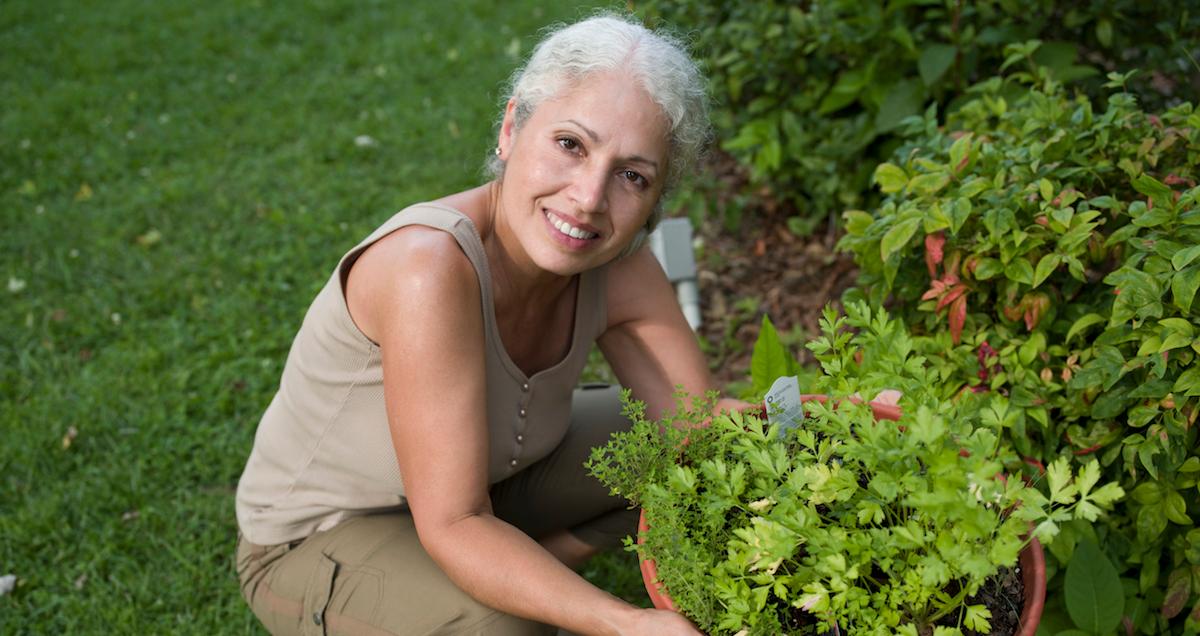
x=1004, y=596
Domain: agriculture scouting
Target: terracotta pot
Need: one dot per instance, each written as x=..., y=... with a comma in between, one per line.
x=1032, y=559
x=1033, y=576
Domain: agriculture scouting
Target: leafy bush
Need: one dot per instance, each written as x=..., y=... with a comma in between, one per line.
x=1050, y=252
x=810, y=95
x=880, y=527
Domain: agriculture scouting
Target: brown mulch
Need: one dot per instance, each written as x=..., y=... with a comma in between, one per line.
x=762, y=267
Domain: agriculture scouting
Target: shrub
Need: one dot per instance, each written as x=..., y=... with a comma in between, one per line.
x=809, y=95
x=879, y=527
x=1050, y=251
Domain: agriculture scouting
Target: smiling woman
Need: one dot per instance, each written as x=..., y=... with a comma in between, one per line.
x=420, y=469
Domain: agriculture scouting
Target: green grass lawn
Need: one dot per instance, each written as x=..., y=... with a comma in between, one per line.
x=176, y=182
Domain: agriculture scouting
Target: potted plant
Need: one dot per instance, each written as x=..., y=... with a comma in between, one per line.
x=873, y=526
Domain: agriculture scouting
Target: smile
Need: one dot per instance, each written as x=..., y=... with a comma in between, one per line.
x=568, y=229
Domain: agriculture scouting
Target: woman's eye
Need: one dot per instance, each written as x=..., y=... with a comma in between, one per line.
x=566, y=143
x=633, y=177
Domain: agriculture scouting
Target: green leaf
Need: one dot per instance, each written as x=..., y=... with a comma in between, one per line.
x=1058, y=475
x=1184, y=257
x=891, y=178
x=902, y=99
x=926, y=184
x=973, y=186
x=960, y=151
x=1082, y=323
x=1107, y=494
x=1046, y=189
x=1188, y=383
x=1019, y=270
x=960, y=210
x=1088, y=477
x=1183, y=287
x=935, y=60
x=1174, y=340
x=927, y=427
x=1152, y=218
x=898, y=236
x=856, y=222
x=770, y=360
x=1179, y=587
x=1176, y=509
x=1032, y=347
x=1093, y=592
x=1159, y=192
x=846, y=90
x=1045, y=267
x=1148, y=493
x=977, y=618
x=935, y=219
x=1104, y=31
x=1178, y=325
x=987, y=268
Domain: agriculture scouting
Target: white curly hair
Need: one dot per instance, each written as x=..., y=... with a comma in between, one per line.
x=608, y=42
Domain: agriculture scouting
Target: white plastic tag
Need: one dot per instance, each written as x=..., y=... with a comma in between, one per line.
x=783, y=403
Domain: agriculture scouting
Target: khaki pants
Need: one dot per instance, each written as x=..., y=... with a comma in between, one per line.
x=370, y=575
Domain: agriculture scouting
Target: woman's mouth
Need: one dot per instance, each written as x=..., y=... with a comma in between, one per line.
x=567, y=229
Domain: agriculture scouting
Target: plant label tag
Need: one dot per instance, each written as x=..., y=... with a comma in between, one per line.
x=783, y=403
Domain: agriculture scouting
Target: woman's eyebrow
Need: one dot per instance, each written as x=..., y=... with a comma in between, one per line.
x=590, y=133
x=633, y=158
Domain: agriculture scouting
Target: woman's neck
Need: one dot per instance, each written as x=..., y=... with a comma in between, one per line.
x=516, y=278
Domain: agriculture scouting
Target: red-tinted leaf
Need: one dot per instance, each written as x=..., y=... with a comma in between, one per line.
x=954, y=294
x=936, y=288
x=933, y=251
x=958, y=315
x=1035, y=305
x=952, y=263
x=970, y=265
x=1179, y=586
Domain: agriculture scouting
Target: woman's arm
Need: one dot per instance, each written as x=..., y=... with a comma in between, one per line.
x=427, y=320
x=648, y=342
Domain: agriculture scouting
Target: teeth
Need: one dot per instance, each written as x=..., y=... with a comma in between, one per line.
x=568, y=229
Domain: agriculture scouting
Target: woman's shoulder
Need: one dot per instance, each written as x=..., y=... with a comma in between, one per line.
x=636, y=286
x=415, y=263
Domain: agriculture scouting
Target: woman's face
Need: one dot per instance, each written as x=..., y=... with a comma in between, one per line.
x=583, y=173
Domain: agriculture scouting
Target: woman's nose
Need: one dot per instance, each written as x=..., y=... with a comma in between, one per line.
x=589, y=187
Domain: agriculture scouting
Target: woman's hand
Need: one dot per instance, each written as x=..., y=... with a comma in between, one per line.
x=889, y=397
x=656, y=621
x=734, y=405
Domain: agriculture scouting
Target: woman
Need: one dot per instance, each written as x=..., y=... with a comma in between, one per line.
x=420, y=469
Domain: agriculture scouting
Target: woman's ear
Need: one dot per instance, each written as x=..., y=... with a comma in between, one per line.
x=507, y=129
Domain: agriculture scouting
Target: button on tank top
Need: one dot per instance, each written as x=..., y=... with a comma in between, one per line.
x=323, y=451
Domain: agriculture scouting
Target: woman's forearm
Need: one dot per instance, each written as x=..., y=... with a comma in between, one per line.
x=504, y=568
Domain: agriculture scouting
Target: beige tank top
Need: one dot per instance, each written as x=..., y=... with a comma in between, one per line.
x=323, y=451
